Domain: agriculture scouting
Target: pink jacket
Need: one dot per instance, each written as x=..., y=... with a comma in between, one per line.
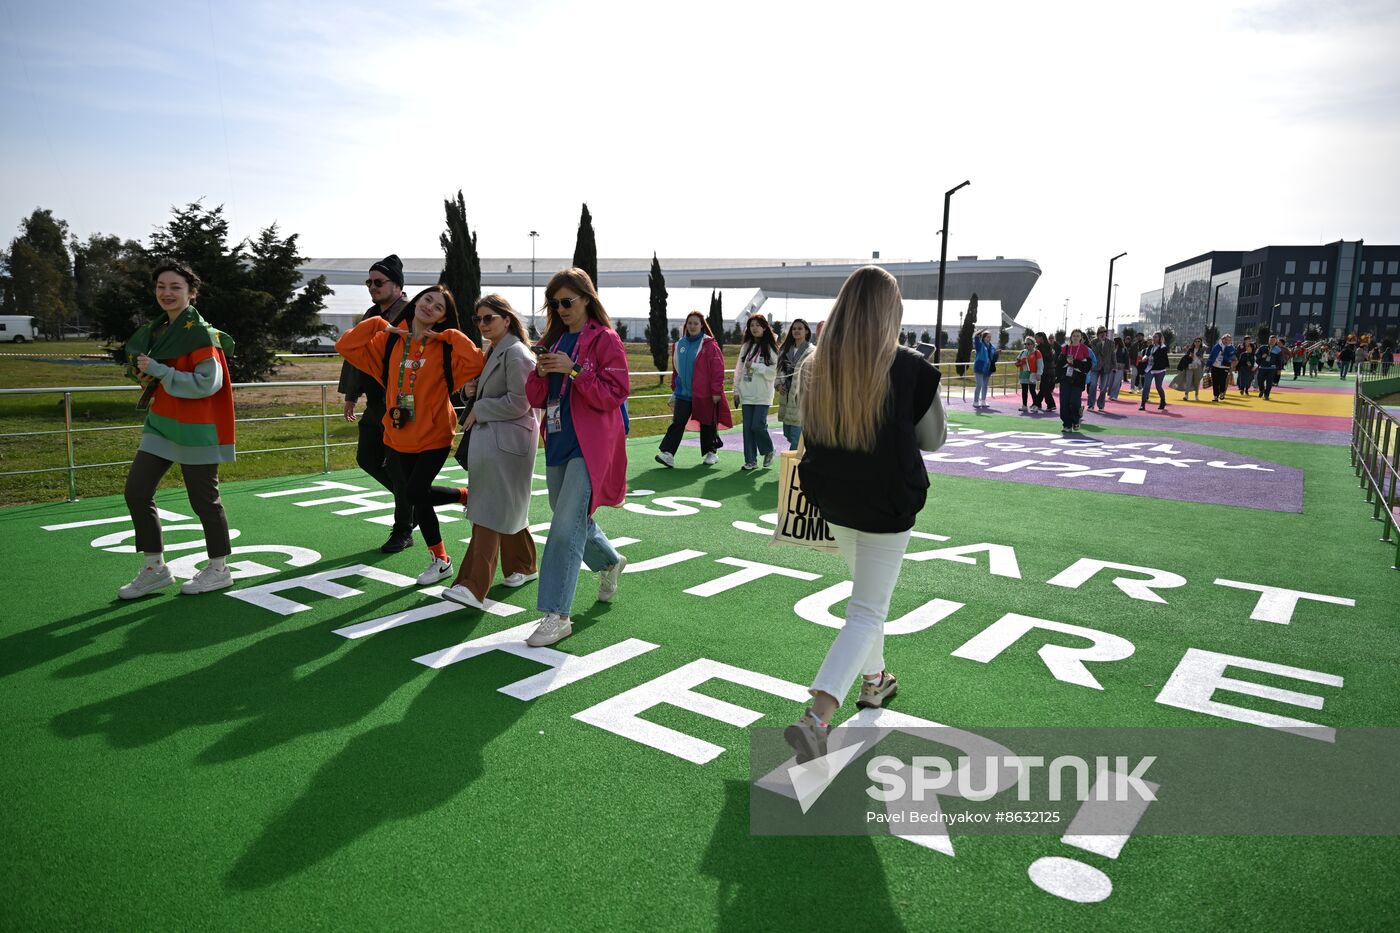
x=595, y=403
x=707, y=382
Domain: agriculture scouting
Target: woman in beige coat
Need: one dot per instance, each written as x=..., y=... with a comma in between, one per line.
x=500, y=459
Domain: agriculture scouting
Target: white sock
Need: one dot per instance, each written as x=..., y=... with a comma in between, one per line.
x=216, y=563
x=154, y=561
x=873, y=678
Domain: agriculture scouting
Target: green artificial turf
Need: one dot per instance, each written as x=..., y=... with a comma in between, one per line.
x=199, y=762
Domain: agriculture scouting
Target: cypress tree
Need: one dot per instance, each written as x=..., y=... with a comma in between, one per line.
x=586, y=247
x=656, y=319
x=716, y=318
x=461, y=268
x=969, y=326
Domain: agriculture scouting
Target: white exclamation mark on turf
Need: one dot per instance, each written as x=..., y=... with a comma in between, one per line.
x=1101, y=826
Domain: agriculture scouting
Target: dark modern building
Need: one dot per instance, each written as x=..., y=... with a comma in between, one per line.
x=1341, y=288
x=1189, y=297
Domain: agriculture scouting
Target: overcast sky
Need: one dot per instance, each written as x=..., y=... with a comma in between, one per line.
x=724, y=129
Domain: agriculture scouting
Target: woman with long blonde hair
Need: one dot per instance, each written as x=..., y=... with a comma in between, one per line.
x=868, y=406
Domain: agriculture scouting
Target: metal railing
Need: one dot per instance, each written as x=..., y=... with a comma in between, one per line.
x=1375, y=455
x=70, y=432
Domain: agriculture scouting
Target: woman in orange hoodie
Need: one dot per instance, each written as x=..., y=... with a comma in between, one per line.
x=420, y=359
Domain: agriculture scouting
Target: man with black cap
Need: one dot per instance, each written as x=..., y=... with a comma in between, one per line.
x=385, y=284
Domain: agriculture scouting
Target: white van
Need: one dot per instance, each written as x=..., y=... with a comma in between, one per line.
x=16, y=328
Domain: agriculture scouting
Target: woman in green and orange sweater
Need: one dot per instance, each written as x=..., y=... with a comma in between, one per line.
x=179, y=360
x=419, y=359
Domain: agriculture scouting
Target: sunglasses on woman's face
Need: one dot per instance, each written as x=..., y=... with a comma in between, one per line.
x=479, y=319
x=376, y=283
x=566, y=303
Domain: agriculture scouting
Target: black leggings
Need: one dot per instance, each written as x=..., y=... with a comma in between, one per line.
x=709, y=436
x=1029, y=395
x=415, y=473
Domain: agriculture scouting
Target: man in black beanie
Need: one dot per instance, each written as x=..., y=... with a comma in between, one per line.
x=385, y=284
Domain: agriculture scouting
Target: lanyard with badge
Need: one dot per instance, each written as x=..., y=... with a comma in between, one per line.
x=402, y=412
x=553, y=416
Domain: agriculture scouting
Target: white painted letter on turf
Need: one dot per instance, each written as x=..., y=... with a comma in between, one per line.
x=564, y=669
x=1077, y=574
x=817, y=608
x=621, y=714
x=1067, y=664
x=750, y=571
x=1201, y=673
x=265, y=595
x=1001, y=558
x=1277, y=603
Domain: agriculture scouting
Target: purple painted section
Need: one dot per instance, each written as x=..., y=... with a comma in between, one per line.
x=1162, y=468
x=1132, y=465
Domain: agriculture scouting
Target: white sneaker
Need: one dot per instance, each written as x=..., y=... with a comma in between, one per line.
x=768, y=459
x=710, y=459
x=460, y=594
x=749, y=466
x=208, y=580
x=552, y=628
x=436, y=571
x=666, y=459
x=607, y=581
x=520, y=579
x=148, y=580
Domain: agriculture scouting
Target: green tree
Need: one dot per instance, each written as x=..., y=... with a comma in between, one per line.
x=656, y=317
x=586, y=246
x=965, y=333
x=1168, y=337
x=249, y=289
x=97, y=265
x=926, y=337
x=716, y=317
x=675, y=333
x=461, y=269
x=41, y=272
x=621, y=329
x=1312, y=333
x=1004, y=337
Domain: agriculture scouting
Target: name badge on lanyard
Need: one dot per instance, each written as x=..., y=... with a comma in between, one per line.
x=553, y=413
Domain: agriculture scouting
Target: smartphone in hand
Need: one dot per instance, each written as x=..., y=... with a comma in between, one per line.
x=927, y=350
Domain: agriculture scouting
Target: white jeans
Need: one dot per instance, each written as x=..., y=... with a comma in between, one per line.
x=859, y=648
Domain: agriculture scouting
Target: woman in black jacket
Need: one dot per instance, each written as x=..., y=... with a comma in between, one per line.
x=863, y=396
x=1047, y=381
x=1244, y=371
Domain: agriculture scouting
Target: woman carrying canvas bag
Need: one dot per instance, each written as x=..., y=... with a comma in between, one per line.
x=868, y=406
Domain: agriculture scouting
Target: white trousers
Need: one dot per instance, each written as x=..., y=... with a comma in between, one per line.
x=859, y=648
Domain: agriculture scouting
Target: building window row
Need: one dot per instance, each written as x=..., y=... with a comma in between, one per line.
x=1381, y=267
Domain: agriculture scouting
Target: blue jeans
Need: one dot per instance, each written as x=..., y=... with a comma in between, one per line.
x=756, y=438
x=1342, y=367
x=574, y=538
x=1098, y=389
x=793, y=433
x=1147, y=379
x=979, y=394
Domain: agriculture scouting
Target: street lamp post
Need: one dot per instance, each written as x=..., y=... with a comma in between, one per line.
x=1108, y=298
x=1114, y=324
x=534, y=235
x=943, y=261
x=1216, y=309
